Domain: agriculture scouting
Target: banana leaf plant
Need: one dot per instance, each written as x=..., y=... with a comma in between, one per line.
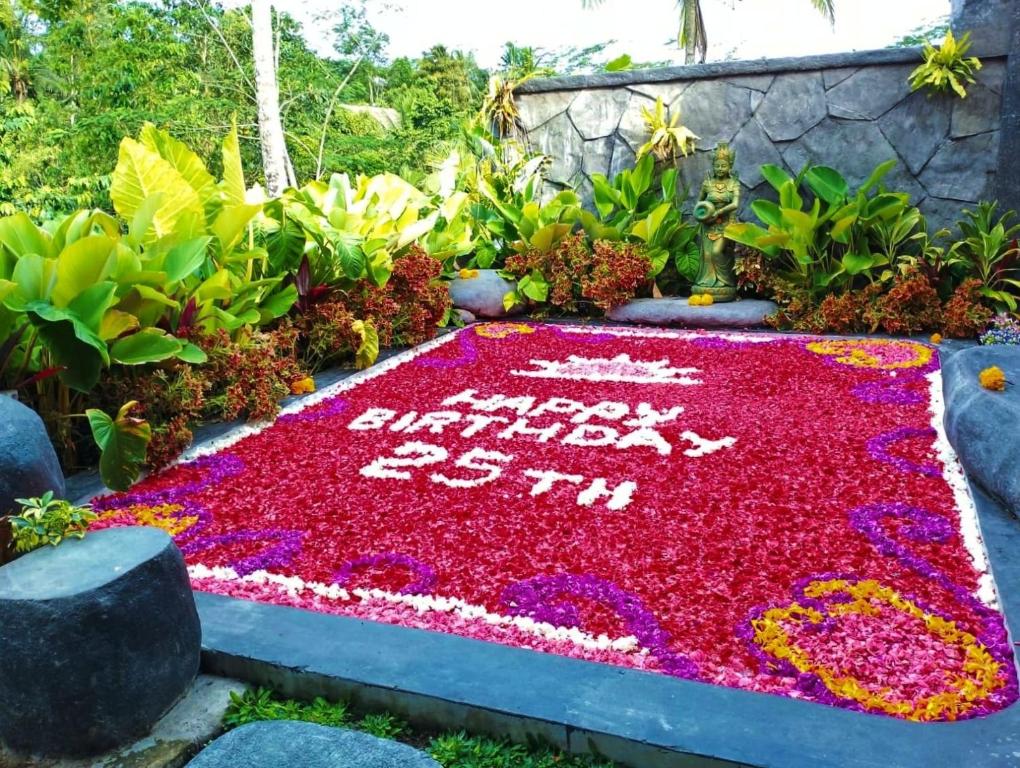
x=633, y=208
x=830, y=237
x=541, y=228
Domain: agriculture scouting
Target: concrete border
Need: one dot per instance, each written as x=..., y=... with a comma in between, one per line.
x=640, y=719
x=723, y=69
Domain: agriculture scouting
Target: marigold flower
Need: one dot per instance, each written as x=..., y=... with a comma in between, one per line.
x=467, y=274
x=302, y=386
x=936, y=338
x=993, y=378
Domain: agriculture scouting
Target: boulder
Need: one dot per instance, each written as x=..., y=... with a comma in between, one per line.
x=28, y=464
x=747, y=313
x=292, y=744
x=483, y=294
x=978, y=420
x=101, y=638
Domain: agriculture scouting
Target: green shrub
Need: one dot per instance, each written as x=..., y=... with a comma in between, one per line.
x=47, y=521
x=451, y=750
x=947, y=66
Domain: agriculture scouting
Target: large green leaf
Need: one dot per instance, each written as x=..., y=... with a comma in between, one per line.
x=775, y=176
x=91, y=305
x=857, y=263
x=827, y=183
x=22, y=236
x=688, y=260
x=81, y=265
x=878, y=174
x=142, y=172
x=71, y=343
x=182, y=158
x=768, y=212
x=351, y=258
x=149, y=345
x=34, y=277
x=534, y=286
x=231, y=224
x=233, y=172
x=184, y=258
x=123, y=442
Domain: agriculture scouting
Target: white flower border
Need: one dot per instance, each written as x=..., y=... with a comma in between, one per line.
x=956, y=479
x=294, y=586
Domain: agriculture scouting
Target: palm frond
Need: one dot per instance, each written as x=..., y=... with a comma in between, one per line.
x=826, y=8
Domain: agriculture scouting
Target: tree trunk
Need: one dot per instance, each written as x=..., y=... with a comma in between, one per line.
x=267, y=93
x=690, y=31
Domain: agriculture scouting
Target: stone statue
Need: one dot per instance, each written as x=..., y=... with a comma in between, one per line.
x=716, y=209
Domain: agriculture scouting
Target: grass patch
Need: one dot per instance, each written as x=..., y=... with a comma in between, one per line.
x=449, y=749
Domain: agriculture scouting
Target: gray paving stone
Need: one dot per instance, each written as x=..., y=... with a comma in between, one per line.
x=597, y=156
x=754, y=149
x=632, y=125
x=292, y=744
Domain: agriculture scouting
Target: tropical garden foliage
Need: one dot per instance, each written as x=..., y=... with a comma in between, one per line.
x=147, y=283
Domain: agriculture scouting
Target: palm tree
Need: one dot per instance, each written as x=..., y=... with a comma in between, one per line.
x=692, y=36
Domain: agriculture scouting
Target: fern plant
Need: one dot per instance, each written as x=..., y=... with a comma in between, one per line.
x=947, y=66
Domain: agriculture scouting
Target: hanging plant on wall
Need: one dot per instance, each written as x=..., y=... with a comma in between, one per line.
x=947, y=66
x=667, y=136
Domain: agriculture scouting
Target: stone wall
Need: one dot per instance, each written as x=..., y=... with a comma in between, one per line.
x=848, y=111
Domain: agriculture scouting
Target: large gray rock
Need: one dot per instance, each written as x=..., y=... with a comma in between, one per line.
x=537, y=109
x=292, y=744
x=978, y=113
x=869, y=93
x=754, y=149
x=749, y=313
x=988, y=20
x=714, y=110
x=632, y=125
x=624, y=158
x=560, y=140
x=828, y=143
x=794, y=104
x=963, y=169
x=917, y=127
x=597, y=156
x=483, y=295
x=669, y=92
x=597, y=113
x=28, y=464
x=100, y=639
x=982, y=425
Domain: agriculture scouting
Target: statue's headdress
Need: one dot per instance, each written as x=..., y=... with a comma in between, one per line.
x=725, y=152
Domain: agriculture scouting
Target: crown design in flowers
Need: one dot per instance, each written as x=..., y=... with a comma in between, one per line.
x=619, y=369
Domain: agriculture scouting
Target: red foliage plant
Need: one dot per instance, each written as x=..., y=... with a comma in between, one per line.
x=606, y=274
